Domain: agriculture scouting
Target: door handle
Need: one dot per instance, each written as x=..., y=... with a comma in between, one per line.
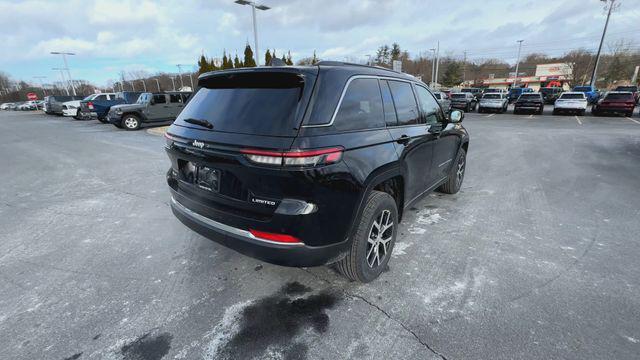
x=404, y=140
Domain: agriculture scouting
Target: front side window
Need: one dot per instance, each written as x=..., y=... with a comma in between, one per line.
x=361, y=106
x=175, y=98
x=429, y=107
x=405, y=102
x=159, y=99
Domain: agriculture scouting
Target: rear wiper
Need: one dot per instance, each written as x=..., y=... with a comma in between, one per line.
x=203, y=123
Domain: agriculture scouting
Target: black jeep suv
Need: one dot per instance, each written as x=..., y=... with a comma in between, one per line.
x=531, y=102
x=311, y=165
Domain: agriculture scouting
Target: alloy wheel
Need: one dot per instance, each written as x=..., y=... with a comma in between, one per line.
x=460, y=171
x=379, y=239
x=131, y=123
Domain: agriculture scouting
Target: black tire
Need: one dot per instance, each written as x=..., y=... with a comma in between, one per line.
x=629, y=114
x=515, y=111
x=541, y=111
x=555, y=112
x=581, y=112
x=480, y=110
x=103, y=120
x=77, y=116
x=130, y=122
x=467, y=108
x=356, y=264
x=456, y=174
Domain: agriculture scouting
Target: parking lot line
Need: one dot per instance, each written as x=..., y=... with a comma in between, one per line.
x=531, y=116
x=490, y=115
x=578, y=120
x=635, y=121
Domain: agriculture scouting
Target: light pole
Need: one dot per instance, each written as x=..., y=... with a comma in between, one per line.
x=180, y=74
x=44, y=91
x=133, y=86
x=515, y=80
x=173, y=81
x=64, y=81
x=433, y=66
x=254, y=6
x=437, y=62
x=66, y=66
x=158, y=83
x=594, y=74
x=144, y=85
x=191, y=78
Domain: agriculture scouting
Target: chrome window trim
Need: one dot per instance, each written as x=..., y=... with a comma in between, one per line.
x=344, y=91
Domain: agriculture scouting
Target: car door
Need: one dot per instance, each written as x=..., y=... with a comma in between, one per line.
x=157, y=110
x=412, y=140
x=445, y=140
x=175, y=105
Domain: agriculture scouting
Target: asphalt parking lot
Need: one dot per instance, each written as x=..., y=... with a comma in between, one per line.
x=536, y=257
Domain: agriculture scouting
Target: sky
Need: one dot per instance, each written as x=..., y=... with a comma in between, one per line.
x=121, y=35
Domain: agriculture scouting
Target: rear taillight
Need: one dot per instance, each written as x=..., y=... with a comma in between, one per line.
x=90, y=105
x=279, y=238
x=294, y=157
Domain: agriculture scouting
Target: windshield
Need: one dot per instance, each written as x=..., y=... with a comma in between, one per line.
x=582, y=88
x=627, y=88
x=491, y=96
x=625, y=97
x=530, y=96
x=571, y=96
x=458, y=96
x=257, y=104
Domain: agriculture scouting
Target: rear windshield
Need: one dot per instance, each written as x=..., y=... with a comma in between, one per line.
x=248, y=103
x=627, y=88
x=530, y=96
x=571, y=96
x=458, y=96
x=491, y=96
x=582, y=88
x=619, y=97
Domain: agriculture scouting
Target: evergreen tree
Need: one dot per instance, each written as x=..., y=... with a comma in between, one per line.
x=284, y=59
x=249, y=61
x=226, y=64
x=236, y=62
x=267, y=57
x=203, y=64
x=289, y=61
x=395, y=51
x=314, y=59
x=453, y=75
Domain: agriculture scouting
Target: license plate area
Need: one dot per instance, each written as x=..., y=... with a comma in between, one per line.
x=208, y=178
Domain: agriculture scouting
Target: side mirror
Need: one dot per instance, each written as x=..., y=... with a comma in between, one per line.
x=456, y=116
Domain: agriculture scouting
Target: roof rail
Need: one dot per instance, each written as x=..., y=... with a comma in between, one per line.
x=342, y=63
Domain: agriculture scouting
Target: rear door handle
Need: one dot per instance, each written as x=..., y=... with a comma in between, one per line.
x=404, y=140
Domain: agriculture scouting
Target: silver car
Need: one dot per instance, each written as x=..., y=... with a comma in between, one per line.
x=443, y=100
x=493, y=102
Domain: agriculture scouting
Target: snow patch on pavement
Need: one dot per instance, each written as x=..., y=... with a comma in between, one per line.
x=225, y=330
x=399, y=248
x=429, y=217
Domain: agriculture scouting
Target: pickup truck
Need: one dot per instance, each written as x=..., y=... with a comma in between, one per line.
x=99, y=106
x=153, y=108
x=514, y=93
x=592, y=94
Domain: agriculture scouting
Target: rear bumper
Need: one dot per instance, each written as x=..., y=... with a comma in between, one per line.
x=240, y=240
x=614, y=110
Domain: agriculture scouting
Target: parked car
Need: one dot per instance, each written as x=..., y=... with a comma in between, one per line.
x=99, y=105
x=631, y=88
x=464, y=100
x=151, y=108
x=28, y=105
x=297, y=182
x=6, y=106
x=493, y=101
x=551, y=94
x=571, y=102
x=494, y=90
x=443, y=100
x=615, y=102
x=529, y=102
x=477, y=92
x=514, y=93
x=72, y=108
x=53, y=103
x=592, y=94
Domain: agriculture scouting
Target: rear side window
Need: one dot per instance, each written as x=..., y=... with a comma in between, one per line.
x=429, y=106
x=405, y=102
x=361, y=106
x=175, y=98
x=387, y=100
x=100, y=98
x=248, y=103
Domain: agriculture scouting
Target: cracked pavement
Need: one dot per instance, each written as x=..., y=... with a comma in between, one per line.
x=536, y=257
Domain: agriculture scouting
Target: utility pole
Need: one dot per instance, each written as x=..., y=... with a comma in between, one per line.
x=515, y=80
x=433, y=66
x=66, y=66
x=594, y=74
x=254, y=6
